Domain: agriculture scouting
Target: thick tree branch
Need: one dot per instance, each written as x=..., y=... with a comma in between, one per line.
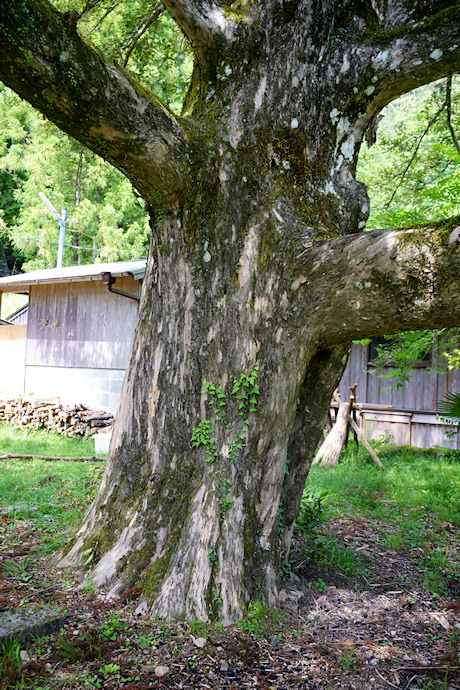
x=47, y=63
x=202, y=21
x=388, y=281
x=400, y=56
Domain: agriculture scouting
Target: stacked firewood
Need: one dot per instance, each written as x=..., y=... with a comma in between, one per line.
x=75, y=420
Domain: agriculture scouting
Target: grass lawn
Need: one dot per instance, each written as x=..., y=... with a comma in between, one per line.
x=412, y=504
x=22, y=441
x=417, y=490
x=51, y=496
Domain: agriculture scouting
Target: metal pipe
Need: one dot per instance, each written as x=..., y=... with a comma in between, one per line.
x=109, y=280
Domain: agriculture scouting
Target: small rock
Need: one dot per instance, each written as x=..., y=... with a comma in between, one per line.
x=146, y=668
x=25, y=658
x=275, y=640
x=223, y=665
x=199, y=642
x=161, y=671
x=31, y=620
x=75, y=632
x=282, y=596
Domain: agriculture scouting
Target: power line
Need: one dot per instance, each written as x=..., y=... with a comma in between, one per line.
x=72, y=246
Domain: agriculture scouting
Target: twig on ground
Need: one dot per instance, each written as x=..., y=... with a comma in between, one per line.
x=12, y=456
x=392, y=685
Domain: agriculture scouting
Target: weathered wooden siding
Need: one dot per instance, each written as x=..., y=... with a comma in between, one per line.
x=81, y=324
x=413, y=420
x=421, y=393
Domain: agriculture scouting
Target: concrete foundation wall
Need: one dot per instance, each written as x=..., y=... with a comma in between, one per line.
x=12, y=360
x=96, y=388
x=423, y=430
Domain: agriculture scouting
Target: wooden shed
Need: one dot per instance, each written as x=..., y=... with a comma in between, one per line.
x=414, y=420
x=78, y=336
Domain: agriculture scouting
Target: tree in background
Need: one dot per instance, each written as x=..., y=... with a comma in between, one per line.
x=412, y=170
x=106, y=219
x=258, y=274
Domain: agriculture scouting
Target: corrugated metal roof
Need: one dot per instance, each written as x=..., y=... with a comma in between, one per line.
x=73, y=274
x=19, y=315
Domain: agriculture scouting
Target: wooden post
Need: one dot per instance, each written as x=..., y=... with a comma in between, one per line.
x=366, y=443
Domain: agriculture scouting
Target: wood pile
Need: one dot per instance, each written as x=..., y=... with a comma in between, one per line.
x=75, y=420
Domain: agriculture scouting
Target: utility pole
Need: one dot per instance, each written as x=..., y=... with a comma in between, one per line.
x=61, y=220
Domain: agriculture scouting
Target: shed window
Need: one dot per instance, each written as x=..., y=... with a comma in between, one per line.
x=424, y=361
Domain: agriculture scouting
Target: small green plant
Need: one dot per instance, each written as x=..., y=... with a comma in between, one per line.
x=395, y=541
x=216, y=398
x=91, y=681
x=165, y=630
x=245, y=390
x=260, y=619
x=217, y=598
x=311, y=512
x=212, y=556
x=256, y=619
x=285, y=570
x=10, y=649
x=435, y=565
x=202, y=436
x=110, y=670
x=198, y=629
x=320, y=585
x=145, y=641
x=10, y=662
x=112, y=626
x=348, y=660
x=88, y=587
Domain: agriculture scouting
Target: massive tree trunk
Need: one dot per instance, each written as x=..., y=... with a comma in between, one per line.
x=257, y=278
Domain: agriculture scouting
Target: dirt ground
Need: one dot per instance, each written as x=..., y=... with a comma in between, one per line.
x=381, y=631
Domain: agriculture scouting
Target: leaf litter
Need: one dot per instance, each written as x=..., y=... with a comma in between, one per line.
x=379, y=628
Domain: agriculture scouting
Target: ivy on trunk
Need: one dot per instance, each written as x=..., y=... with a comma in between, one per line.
x=258, y=275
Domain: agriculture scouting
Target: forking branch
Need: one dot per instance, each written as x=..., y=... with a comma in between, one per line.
x=201, y=21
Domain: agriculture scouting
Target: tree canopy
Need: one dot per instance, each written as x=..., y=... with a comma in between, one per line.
x=106, y=220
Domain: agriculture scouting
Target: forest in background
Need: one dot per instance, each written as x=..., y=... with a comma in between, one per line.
x=106, y=219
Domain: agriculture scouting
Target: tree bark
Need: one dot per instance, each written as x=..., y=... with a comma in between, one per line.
x=257, y=272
